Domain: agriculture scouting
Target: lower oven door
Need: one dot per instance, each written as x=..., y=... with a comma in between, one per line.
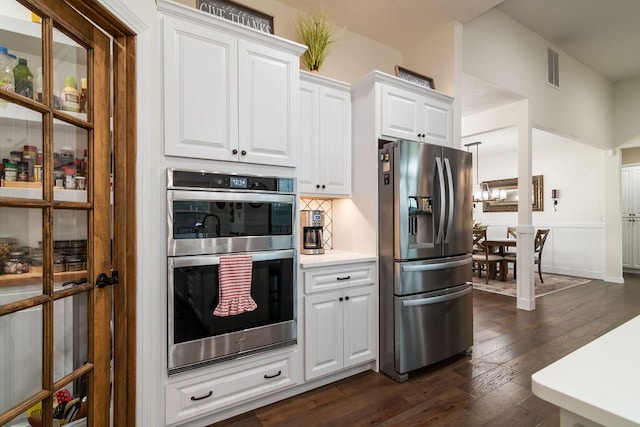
x=196, y=336
x=433, y=326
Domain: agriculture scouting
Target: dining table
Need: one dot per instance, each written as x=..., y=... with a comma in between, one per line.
x=499, y=246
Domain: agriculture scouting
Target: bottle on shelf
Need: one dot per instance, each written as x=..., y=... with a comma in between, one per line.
x=23, y=79
x=39, y=85
x=83, y=95
x=6, y=72
x=69, y=96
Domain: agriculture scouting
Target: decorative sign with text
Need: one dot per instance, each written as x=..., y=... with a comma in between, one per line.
x=238, y=13
x=415, y=78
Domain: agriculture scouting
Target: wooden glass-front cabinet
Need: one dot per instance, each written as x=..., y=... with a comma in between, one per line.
x=55, y=216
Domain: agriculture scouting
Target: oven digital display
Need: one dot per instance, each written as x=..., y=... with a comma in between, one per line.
x=237, y=182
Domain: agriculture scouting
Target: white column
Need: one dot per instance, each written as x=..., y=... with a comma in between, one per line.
x=525, y=282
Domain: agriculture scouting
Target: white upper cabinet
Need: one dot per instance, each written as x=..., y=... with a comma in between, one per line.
x=325, y=137
x=230, y=92
x=630, y=191
x=416, y=115
x=393, y=108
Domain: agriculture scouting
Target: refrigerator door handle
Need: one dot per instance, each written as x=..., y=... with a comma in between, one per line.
x=447, y=165
x=435, y=266
x=438, y=299
x=442, y=200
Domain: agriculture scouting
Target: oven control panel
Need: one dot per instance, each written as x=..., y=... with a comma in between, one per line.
x=200, y=180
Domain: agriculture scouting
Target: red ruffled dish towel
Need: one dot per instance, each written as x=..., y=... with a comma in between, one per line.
x=235, y=285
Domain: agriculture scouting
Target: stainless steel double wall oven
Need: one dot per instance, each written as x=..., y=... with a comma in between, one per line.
x=210, y=215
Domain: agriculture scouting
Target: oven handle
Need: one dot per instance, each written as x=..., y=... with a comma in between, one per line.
x=195, y=261
x=222, y=196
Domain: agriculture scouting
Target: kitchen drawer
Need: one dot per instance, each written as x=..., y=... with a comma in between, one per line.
x=332, y=278
x=205, y=394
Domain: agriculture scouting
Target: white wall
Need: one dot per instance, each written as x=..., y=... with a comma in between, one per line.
x=626, y=110
x=576, y=243
x=502, y=52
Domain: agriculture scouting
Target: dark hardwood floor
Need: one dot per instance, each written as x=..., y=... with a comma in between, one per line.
x=492, y=387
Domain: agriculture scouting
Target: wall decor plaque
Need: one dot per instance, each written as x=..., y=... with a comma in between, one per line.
x=238, y=13
x=415, y=78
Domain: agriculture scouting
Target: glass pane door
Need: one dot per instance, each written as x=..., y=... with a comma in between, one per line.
x=55, y=216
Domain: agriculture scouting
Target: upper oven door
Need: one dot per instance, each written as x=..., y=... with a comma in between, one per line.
x=211, y=222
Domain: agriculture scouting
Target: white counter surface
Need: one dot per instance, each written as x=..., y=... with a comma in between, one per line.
x=334, y=257
x=600, y=381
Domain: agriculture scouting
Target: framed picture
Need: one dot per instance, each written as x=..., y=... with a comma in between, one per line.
x=238, y=13
x=415, y=78
x=508, y=190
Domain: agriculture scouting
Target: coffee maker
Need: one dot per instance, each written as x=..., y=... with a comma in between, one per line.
x=311, y=226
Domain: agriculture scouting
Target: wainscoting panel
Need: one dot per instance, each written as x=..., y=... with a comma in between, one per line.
x=571, y=249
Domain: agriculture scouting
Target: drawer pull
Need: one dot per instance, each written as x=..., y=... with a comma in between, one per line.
x=343, y=278
x=202, y=397
x=267, y=377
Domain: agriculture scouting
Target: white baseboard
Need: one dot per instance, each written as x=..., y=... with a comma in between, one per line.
x=589, y=274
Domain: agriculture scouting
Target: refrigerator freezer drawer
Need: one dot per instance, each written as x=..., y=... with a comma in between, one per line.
x=414, y=277
x=433, y=326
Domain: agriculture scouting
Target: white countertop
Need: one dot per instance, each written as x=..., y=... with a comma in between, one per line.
x=600, y=381
x=334, y=257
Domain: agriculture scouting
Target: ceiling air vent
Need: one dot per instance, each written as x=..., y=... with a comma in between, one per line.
x=553, y=68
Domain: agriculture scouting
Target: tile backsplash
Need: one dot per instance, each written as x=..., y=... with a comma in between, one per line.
x=326, y=206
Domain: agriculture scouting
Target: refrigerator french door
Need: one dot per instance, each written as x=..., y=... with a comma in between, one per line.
x=425, y=240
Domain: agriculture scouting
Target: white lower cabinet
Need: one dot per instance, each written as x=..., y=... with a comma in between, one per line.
x=339, y=327
x=195, y=396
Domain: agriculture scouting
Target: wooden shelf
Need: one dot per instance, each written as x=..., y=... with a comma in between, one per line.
x=35, y=277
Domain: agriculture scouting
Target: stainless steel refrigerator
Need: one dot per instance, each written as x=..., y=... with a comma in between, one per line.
x=425, y=244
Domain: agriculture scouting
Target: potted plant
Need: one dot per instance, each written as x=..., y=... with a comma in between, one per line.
x=316, y=31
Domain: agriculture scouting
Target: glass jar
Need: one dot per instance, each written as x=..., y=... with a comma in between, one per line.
x=74, y=263
x=59, y=264
x=7, y=245
x=36, y=258
x=16, y=263
x=10, y=172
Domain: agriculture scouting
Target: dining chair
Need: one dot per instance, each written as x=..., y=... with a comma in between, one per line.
x=511, y=234
x=538, y=244
x=482, y=256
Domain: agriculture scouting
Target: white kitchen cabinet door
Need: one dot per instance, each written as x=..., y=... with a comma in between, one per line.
x=399, y=111
x=200, y=91
x=335, y=142
x=626, y=194
x=409, y=115
x=359, y=340
x=636, y=244
x=268, y=100
x=323, y=332
x=325, y=137
x=308, y=169
x=437, y=122
x=627, y=242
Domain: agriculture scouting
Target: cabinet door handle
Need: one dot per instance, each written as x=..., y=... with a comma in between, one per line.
x=341, y=299
x=267, y=377
x=234, y=151
x=347, y=297
x=317, y=185
x=343, y=278
x=243, y=152
x=323, y=186
x=202, y=397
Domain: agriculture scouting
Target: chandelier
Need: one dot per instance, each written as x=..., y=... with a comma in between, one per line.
x=481, y=190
